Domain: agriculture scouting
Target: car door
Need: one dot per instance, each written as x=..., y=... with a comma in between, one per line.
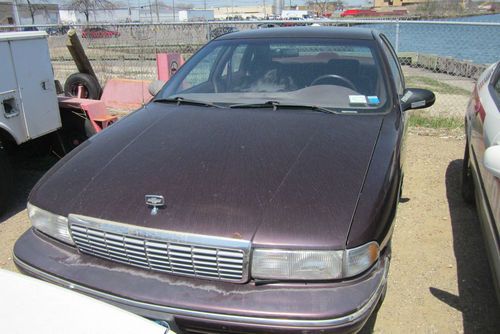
x=491, y=133
x=484, y=132
x=398, y=78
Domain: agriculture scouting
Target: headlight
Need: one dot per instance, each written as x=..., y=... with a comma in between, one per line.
x=290, y=265
x=313, y=265
x=357, y=260
x=49, y=223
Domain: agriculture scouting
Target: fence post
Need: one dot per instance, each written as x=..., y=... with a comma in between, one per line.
x=397, y=37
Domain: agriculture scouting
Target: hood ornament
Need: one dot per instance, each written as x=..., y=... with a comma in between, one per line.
x=156, y=201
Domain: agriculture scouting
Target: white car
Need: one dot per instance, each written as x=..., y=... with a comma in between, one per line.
x=29, y=305
x=481, y=167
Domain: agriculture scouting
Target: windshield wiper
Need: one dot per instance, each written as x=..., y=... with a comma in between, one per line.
x=267, y=104
x=181, y=100
x=276, y=105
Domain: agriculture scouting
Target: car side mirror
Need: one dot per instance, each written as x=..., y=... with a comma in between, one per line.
x=155, y=87
x=417, y=98
x=492, y=160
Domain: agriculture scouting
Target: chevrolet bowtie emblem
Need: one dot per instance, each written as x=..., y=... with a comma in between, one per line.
x=155, y=201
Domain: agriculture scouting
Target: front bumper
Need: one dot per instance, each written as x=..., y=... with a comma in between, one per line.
x=341, y=307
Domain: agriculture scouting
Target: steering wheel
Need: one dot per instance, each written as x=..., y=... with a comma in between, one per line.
x=344, y=81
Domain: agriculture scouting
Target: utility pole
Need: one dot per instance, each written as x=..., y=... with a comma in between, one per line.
x=157, y=11
x=150, y=11
x=129, y=11
x=173, y=9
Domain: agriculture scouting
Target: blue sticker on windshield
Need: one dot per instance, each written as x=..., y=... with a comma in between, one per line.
x=373, y=100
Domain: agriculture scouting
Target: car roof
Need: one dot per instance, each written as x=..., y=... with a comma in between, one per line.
x=303, y=32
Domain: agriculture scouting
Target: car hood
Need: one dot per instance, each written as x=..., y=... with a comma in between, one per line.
x=288, y=178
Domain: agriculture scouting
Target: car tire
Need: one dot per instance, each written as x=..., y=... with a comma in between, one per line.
x=5, y=180
x=467, y=186
x=90, y=83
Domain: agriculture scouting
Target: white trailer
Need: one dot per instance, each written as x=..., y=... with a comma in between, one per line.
x=26, y=71
x=196, y=15
x=29, y=105
x=295, y=14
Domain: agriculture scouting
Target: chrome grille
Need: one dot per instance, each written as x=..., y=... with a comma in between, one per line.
x=163, y=251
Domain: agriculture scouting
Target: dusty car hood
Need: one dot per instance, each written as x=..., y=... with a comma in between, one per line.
x=286, y=177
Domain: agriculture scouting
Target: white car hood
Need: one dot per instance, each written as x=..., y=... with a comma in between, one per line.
x=28, y=305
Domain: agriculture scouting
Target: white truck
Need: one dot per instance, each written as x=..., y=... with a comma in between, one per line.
x=29, y=105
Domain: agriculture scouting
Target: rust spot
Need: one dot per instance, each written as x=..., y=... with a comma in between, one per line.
x=237, y=235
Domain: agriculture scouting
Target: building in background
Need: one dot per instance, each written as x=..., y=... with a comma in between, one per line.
x=295, y=14
x=143, y=14
x=195, y=15
x=6, y=13
x=278, y=7
x=244, y=12
x=20, y=12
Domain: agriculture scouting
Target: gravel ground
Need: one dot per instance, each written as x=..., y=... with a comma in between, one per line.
x=439, y=281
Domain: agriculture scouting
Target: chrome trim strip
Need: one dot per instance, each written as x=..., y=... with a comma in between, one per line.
x=166, y=312
x=152, y=233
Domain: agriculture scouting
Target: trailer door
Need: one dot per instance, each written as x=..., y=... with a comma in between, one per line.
x=11, y=115
x=35, y=81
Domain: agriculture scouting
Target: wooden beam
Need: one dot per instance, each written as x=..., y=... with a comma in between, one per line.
x=78, y=54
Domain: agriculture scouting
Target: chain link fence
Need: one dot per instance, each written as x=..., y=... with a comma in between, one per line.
x=443, y=56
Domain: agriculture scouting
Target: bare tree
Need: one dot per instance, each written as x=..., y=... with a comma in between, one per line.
x=88, y=6
x=33, y=8
x=321, y=7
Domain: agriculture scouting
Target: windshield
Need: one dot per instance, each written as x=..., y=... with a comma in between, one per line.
x=327, y=73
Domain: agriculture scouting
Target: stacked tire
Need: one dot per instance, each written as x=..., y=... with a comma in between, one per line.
x=92, y=88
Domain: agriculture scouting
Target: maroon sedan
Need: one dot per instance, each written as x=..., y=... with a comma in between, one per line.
x=98, y=32
x=255, y=193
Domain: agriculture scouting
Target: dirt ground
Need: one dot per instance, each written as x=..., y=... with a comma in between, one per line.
x=439, y=281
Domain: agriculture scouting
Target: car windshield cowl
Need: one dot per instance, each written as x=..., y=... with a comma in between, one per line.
x=182, y=100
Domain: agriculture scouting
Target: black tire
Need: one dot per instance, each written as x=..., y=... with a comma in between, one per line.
x=467, y=181
x=5, y=180
x=76, y=128
x=89, y=128
x=91, y=85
